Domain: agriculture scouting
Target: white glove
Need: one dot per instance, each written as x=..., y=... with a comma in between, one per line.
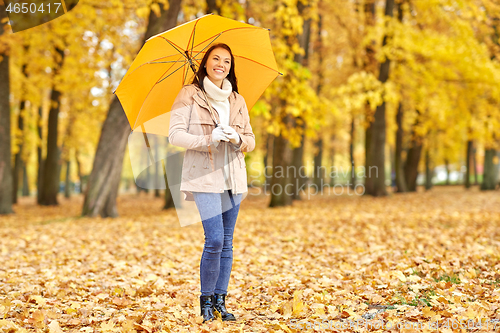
x=218, y=135
x=231, y=134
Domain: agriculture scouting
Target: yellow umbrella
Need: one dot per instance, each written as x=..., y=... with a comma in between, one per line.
x=167, y=61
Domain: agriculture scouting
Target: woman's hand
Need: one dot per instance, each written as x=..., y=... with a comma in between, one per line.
x=231, y=134
x=218, y=135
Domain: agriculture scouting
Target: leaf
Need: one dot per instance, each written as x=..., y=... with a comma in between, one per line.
x=400, y=275
x=287, y=310
x=427, y=312
x=108, y=326
x=297, y=305
x=121, y=301
x=37, y=316
x=54, y=327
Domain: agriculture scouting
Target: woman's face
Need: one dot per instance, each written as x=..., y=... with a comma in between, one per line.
x=218, y=65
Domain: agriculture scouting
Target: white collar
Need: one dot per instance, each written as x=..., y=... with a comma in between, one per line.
x=216, y=93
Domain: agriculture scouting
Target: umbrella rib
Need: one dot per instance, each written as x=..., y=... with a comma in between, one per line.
x=169, y=75
x=220, y=33
x=178, y=49
x=152, y=89
x=149, y=62
x=186, y=71
x=192, y=34
x=238, y=56
x=185, y=55
x=192, y=44
x=163, y=62
x=215, y=38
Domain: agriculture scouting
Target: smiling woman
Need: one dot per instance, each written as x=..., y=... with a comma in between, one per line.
x=214, y=173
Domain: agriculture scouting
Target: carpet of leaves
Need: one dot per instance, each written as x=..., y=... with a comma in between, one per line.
x=426, y=257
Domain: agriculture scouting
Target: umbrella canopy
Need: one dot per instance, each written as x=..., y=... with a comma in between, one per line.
x=167, y=61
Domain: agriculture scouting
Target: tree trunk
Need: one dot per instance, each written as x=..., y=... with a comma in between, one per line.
x=411, y=165
x=59, y=167
x=332, y=175
x=319, y=171
x=280, y=176
x=104, y=180
x=393, y=168
x=148, y=182
x=468, y=163
x=268, y=161
x=299, y=123
x=67, y=182
x=378, y=153
x=50, y=180
x=212, y=7
x=296, y=179
x=400, y=177
x=17, y=164
x=167, y=19
x=26, y=188
x=5, y=141
x=157, y=169
x=370, y=66
x=491, y=166
x=39, y=150
x=352, y=180
x=318, y=46
x=174, y=167
x=266, y=154
x=369, y=186
x=428, y=171
x=398, y=157
x=476, y=180
x=79, y=170
x=17, y=158
x=304, y=38
x=447, y=165
x=378, y=127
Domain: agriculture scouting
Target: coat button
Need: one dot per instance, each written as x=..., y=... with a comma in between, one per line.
x=194, y=166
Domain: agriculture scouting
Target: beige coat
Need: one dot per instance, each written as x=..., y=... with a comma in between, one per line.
x=191, y=127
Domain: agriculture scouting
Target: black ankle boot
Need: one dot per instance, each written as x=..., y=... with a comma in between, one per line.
x=219, y=301
x=206, y=305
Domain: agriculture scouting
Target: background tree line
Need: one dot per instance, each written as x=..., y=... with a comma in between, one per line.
x=398, y=85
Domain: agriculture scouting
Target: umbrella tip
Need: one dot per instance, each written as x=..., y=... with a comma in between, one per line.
x=281, y=73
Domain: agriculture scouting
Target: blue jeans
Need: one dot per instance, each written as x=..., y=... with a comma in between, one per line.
x=218, y=212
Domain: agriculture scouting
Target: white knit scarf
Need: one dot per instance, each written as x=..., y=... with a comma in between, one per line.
x=216, y=93
x=219, y=99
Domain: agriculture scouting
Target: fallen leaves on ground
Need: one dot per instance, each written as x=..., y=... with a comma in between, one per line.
x=420, y=257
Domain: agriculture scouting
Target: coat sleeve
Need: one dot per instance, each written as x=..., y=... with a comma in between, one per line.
x=179, y=121
x=247, y=142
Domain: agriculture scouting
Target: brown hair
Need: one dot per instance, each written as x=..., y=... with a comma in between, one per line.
x=202, y=71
